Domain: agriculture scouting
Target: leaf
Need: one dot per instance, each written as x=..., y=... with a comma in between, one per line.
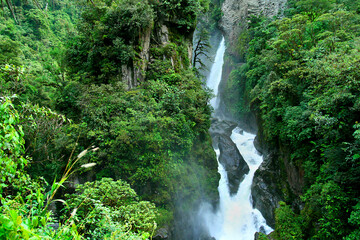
x=18, y=220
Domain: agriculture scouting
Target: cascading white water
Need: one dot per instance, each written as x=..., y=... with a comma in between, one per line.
x=235, y=219
x=215, y=73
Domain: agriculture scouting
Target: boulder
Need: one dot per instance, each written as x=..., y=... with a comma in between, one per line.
x=232, y=161
x=221, y=127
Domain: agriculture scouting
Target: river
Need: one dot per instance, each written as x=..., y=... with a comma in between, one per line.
x=234, y=218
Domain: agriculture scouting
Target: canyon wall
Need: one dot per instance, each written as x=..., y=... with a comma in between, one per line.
x=277, y=179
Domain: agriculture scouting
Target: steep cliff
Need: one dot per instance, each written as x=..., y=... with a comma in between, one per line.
x=233, y=23
x=236, y=13
x=277, y=179
x=303, y=94
x=160, y=35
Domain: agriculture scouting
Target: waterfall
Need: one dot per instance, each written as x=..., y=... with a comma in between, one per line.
x=215, y=74
x=235, y=218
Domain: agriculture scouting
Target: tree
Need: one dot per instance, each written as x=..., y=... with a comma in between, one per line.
x=105, y=206
x=201, y=50
x=10, y=6
x=314, y=8
x=23, y=213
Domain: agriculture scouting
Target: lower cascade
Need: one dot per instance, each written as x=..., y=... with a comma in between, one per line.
x=235, y=218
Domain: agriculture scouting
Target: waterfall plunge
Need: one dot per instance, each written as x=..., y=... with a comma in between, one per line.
x=235, y=219
x=215, y=74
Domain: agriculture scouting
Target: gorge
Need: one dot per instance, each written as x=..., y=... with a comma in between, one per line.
x=107, y=129
x=234, y=218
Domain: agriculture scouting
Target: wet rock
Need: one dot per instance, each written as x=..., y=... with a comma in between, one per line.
x=162, y=233
x=265, y=190
x=221, y=127
x=257, y=145
x=277, y=179
x=233, y=162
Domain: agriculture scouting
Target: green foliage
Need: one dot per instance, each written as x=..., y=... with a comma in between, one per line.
x=108, y=32
x=328, y=201
x=33, y=50
x=11, y=146
x=10, y=51
x=354, y=220
x=142, y=131
x=314, y=8
x=45, y=139
x=102, y=206
x=288, y=225
x=181, y=13
x=23, y=214
x=112, y=207
x=301, y=76
x=151, y=136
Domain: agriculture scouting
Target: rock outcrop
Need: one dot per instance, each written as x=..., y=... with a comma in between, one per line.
x=230, y=157
x=236, y=13
x=220, y=127
x=134, y=73
x=162, y=234
x=233, y=162
x=265, y=190
x=277, y=179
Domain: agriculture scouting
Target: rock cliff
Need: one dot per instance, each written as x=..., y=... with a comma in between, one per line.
x=155, y=36
x=236, y=12
x=233, y=162
x=277, y=179
x=233, y=22
x=230, y=157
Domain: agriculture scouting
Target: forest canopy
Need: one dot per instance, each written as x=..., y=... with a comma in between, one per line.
x=69, y=116
x=302, y=78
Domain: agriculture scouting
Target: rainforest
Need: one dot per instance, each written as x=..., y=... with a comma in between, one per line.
x=107, y=117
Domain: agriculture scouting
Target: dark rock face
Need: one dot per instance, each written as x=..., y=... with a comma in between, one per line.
x=233, y=162
x=265, y=189
x=277, y=179
x=221, y=127
x=230, y=157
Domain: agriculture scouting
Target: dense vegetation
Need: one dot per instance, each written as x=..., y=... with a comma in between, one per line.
x=302, y=78
x=68, y=115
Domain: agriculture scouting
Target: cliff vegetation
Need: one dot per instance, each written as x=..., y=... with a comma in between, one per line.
x=98, y=99
x=301, y=78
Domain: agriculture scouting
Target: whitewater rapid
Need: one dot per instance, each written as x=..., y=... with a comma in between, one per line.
x=235, y=218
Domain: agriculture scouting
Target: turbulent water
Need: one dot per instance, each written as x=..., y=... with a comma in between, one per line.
x=235, y=218
x=215, y=74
